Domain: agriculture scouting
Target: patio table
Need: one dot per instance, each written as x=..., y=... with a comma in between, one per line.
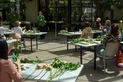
x=42, y=75
x=88, y=44
x=69, y=34
x=75, y=34
x=34, y=34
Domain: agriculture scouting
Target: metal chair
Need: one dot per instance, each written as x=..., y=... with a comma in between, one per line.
x=109, y=53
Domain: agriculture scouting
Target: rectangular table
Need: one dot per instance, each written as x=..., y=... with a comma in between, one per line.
x=69, y=34
x=75, y=34
x=42, y=75
x=36, y=36
x=31, y=36
x=87, y=44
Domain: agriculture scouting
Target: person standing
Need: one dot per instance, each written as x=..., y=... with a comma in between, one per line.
x=41, y=24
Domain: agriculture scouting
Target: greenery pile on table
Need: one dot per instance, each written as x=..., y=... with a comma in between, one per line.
x=56, y=68
x=64, y=32
x=31, y=31
x=26, y=60
x=79, y=40
x=100, y=38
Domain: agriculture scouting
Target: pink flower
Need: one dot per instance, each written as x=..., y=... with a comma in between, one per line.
x=18, y=36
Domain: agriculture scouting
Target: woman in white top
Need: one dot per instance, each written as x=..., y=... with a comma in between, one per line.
x=17, y=28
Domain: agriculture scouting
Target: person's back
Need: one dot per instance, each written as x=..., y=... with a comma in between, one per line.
x=86, y=30
x=18, y=30
x=7, y=72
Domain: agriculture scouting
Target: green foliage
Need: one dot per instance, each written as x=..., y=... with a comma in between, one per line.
x=12, y=17
x=57, y=63
x=26, y=60
x=103, y=5
x=99, y=38
x=16, y=52
x=77, y=40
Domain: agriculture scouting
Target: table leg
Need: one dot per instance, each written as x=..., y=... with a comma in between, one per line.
x=75, y=45
x=31, y=43
x=76, y=48
x=67, y=42
x=55, y=30
x=36, y=42
x=81, y=54
x=95, y=57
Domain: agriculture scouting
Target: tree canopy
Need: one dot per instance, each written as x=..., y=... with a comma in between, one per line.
x=101, y=6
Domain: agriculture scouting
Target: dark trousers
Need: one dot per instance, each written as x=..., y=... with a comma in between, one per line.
x=42, y=29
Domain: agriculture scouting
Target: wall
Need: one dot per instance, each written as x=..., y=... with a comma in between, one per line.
x=118, y=13
x=31, y=11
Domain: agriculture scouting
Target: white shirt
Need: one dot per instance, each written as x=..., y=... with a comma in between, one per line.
x=2, y=30
x=18, y=30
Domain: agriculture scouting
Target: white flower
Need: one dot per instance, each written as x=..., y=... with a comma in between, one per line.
x=121, y=21
x=98, y=19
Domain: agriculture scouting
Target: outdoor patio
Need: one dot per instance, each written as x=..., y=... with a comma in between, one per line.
x=51, y=48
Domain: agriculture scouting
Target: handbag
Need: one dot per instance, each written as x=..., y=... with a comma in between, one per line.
x=119, y=57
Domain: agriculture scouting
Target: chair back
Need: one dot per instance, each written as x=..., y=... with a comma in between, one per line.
x=111, y=48
x=88, y=35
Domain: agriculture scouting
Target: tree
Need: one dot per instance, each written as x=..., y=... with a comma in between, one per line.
x=10, y=6
x=101, y=6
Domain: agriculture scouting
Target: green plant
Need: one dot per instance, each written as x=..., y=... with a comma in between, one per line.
x=121, y=26
x=12, y=17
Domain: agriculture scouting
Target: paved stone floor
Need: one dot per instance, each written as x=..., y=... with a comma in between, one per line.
x=51, y=48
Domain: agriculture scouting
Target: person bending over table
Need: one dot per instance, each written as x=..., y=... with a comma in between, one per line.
x=87, y=29
x=113, y=36
x=8, y=72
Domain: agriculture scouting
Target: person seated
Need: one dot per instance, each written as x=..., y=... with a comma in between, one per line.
x=8, y=72
x=105, y=29
x=113, y=36
x=86, y=29
x=2, y=30
x=18, y=29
